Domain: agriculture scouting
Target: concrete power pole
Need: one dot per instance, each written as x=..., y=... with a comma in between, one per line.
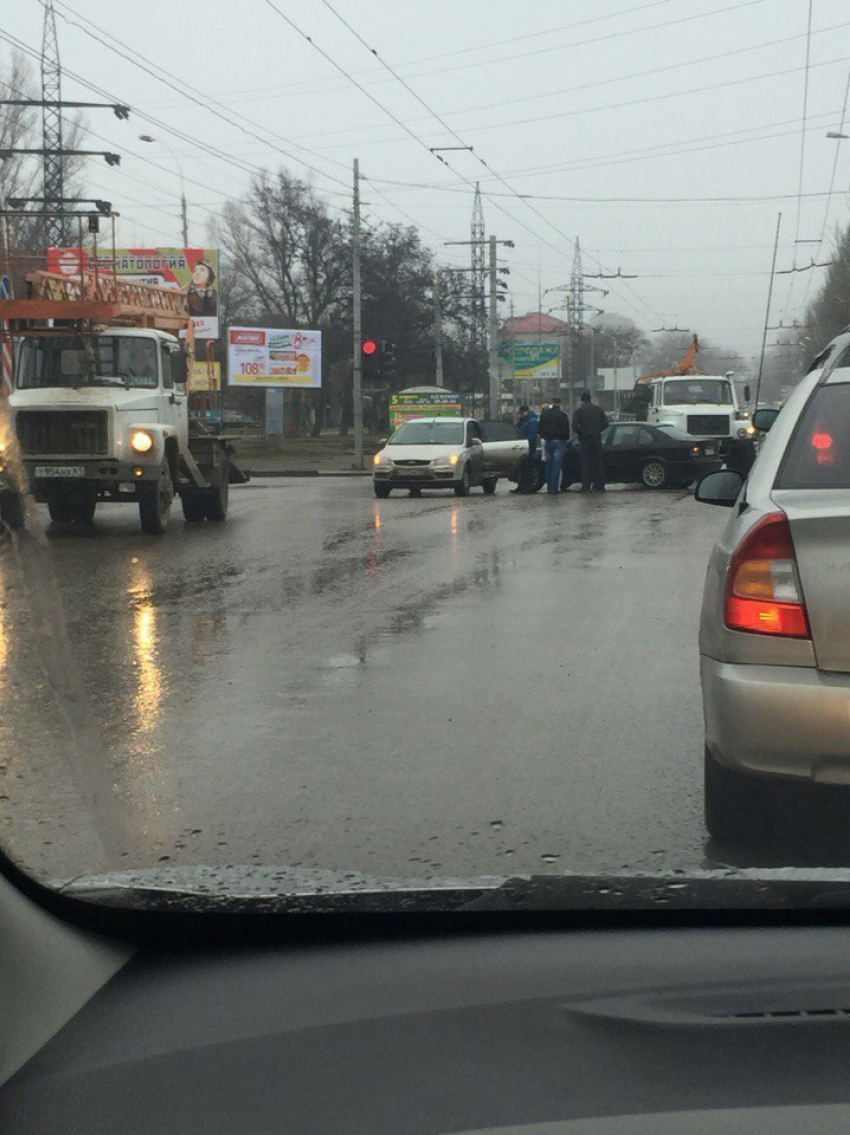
x=438, y=329
x=495, y=393
x=357, y=391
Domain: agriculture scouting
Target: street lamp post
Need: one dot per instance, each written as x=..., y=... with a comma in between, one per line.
x=183, y=209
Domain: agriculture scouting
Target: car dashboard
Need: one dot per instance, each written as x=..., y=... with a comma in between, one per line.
x=571, y=1031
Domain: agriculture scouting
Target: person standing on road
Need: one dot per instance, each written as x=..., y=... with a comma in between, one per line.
x=554, y=428
x=527, y=424
x=589, y=421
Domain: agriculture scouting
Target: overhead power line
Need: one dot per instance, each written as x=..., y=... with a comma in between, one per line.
x=438, y=118
x=200, y=98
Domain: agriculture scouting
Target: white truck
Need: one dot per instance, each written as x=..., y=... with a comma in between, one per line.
x=704, y=406
x=99, y=409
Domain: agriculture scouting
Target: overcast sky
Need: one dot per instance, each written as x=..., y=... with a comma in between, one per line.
x=612, y=115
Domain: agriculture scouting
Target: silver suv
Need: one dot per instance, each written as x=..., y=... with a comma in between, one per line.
x=775, y=627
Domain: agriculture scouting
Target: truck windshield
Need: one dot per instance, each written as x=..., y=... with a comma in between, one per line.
x=95, y=360
x=693, y=391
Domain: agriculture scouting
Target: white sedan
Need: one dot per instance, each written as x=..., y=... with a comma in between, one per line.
x=445, y=453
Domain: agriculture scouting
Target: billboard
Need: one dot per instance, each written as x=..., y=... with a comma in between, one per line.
x=190, y=270
x=530, y=360
x=270, y=356
x=423, y=404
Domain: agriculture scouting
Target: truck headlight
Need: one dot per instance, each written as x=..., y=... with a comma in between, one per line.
x=744, y=432
x=141, y=441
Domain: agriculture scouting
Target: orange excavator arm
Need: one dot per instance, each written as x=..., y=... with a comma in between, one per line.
x=684, y=366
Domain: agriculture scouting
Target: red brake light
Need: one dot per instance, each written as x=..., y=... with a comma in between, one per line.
x=763, y=594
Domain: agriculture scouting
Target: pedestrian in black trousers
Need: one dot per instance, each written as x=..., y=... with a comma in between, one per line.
x=589, y=421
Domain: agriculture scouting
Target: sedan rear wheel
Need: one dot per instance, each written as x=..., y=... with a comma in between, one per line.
x=654, y=473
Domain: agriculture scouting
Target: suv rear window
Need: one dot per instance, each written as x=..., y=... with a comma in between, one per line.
x=819, y=454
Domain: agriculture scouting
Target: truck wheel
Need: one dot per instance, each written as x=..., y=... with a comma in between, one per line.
x=83, y=508
x=489, y=485
x=59, y=509
x=654, y=473
x=462, y=490
x=216, y=499
x=155, y=503
x=194, y=508
x=11, y=511
x=382, y=491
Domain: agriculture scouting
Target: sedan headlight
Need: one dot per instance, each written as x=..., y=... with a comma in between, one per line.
x=381, y=459
x=447, y=461
x=141, y=441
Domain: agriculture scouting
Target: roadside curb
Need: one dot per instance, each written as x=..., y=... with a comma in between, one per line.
x=255, y=473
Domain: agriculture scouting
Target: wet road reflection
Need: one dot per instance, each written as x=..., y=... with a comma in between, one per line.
x=467, y=685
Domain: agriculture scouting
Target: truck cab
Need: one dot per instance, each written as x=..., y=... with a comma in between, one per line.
x=703, y=405
x=103, y=416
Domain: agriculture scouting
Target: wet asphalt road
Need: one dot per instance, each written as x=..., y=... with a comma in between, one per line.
x=441, y=686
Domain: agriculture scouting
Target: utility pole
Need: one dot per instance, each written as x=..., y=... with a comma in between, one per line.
x=438, y=329
x=767, y=312
x=51, y=118
x=477, y=241
x=495, y=392
x=358, y=357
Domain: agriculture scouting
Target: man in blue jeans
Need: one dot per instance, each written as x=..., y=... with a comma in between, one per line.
x=554, y=428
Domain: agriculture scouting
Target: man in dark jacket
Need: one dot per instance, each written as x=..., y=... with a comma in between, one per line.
x=527, y=424
x=554, y=428
x=589, y=421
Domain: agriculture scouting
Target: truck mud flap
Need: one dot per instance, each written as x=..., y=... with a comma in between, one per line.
x=237, y=476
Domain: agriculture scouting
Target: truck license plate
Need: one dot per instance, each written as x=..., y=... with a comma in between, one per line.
x=60, y=471
x=711, y=450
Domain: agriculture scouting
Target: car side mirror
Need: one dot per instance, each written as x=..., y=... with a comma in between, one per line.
x=383, y=442
x=477, y=441
x=722, y=488
x=747, y=392
x=763, y=419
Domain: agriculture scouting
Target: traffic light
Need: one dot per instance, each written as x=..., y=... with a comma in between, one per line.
x=369, y=348
x=388, y=362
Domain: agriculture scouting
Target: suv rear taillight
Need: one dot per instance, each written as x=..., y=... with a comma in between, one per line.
x=763, y=593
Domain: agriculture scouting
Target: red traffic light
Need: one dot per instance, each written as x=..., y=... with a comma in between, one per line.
x=369, y=347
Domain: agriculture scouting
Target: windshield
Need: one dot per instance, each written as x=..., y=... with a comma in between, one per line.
x=428, y=433
x=86, y=360
x=343, y=543
x=692, y=391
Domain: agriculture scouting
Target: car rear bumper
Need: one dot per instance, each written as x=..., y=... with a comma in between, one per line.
x=791, y=721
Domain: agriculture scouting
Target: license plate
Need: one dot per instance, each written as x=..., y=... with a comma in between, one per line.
x=60, y=470
x=415, y=472
x=711, y=450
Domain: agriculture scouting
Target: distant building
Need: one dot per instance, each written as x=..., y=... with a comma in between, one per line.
x=532, y=358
